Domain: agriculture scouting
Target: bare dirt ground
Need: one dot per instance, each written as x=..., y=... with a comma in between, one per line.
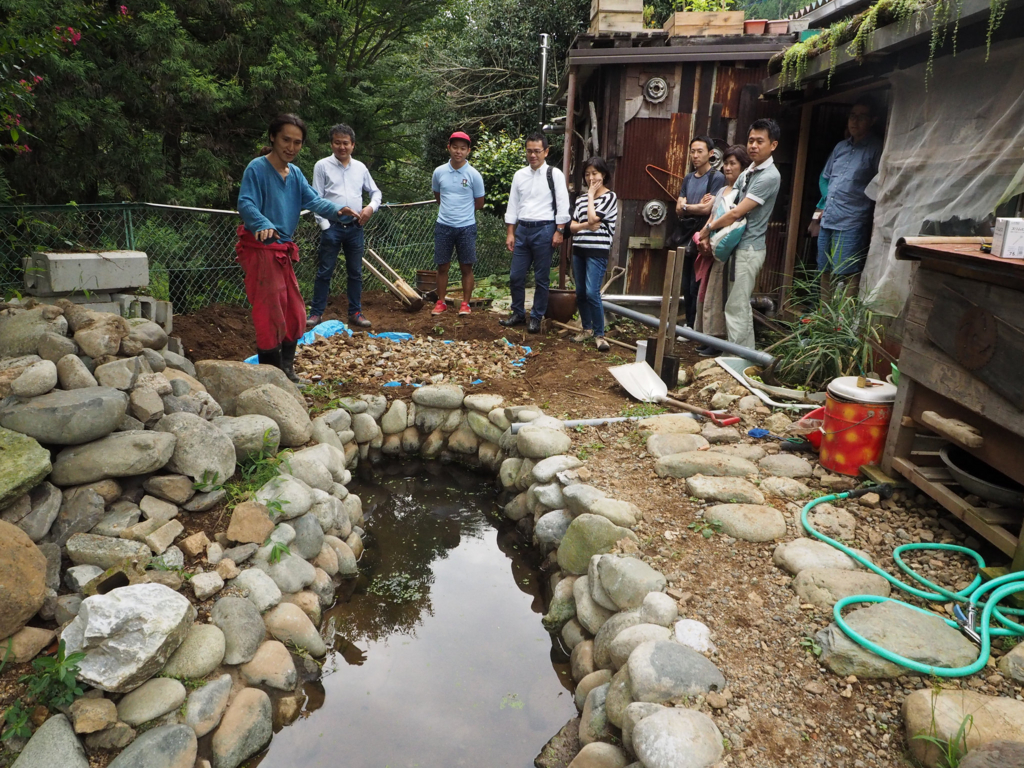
x=560, y=376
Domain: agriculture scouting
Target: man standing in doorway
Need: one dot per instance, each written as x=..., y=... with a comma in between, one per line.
x=536, y=219
x=343, y=180
x=845, y=212
x=459, y=190
x=758, y=188
x=696, y=195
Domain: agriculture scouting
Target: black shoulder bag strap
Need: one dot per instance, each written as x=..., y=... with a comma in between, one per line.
x=551, y=186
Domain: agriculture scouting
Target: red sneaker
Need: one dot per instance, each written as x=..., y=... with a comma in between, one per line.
x=464, y=309
x=439, y=308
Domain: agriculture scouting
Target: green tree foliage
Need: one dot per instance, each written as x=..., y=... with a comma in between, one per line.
x=167, y=100
x=498, y=156
x=171, y=104
x=490, y=73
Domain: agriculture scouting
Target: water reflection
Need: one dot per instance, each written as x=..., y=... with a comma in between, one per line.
x=439, y=657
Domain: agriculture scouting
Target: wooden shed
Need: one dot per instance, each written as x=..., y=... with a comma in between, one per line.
x=638, y=98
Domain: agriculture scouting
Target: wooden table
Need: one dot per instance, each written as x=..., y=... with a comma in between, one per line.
x=962, y=380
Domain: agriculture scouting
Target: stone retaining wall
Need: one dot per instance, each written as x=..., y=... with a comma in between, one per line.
x=110, y=442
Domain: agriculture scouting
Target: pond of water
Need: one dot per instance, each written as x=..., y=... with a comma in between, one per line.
x=440, y=658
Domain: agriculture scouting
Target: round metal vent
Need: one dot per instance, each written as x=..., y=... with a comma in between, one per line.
x=655, y=90
x=716, y=158
x=654, y=212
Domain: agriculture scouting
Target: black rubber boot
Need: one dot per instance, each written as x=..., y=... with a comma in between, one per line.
x=288, y=360
x=270, y=356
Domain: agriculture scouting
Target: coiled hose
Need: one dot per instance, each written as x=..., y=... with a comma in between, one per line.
x=974, y=596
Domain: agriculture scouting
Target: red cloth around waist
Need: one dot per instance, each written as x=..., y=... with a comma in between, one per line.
x=278, y=311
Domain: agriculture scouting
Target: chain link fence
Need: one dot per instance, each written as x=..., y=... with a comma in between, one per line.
x=192, y=251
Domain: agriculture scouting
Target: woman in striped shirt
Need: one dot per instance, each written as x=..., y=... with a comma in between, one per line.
x=592, y=227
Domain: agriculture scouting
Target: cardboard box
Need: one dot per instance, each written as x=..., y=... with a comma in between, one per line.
x=1008, y=239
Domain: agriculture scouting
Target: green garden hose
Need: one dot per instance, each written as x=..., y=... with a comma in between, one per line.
x=972, y=595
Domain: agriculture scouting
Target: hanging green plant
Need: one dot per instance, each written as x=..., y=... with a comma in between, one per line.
x=855, y=33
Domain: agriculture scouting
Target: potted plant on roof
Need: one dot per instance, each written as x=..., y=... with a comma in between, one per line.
x=697, y=18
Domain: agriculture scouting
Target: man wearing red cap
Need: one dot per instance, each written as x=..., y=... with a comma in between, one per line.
x=459, y=190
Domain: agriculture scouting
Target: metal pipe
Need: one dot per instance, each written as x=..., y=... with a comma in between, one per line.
x=598, y=422
x=545, y=46
x=625, y=298
x=761, y=358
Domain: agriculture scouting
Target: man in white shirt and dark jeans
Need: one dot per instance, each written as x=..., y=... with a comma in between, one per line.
x=342, y=180
x=536, y=218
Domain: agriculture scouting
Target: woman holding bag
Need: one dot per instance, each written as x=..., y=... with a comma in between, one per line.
x=711, y=271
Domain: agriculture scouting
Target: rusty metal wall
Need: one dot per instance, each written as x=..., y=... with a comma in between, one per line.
x=729, y=84
x=645, y=142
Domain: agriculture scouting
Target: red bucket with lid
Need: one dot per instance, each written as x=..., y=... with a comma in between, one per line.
x=856, y=424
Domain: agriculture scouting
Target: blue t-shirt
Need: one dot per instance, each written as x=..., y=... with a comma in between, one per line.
x=694, y=187
x=267, y=201
x=459, y=190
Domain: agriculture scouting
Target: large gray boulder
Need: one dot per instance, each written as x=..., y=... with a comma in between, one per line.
x=273, y=401
x=922, y=637
x=67, y=418
x=23, y=465
x=21, y=330
x=242, y=625
x=675, y=737
x=627, y=580
x=691, y=463
x=251, y=435
x=38, y=379
x=167, y=746
x=205, y=706
x=121, y=454
x=748, y=522
x=104, y=551
x=81, y=510
x=542, y=442
x=53, y=745
x=447, y=396
x=663, y=670
x=824, y=587
x=36, y=516
x=586, y=536
x=799, y=554
x=201, y=451
x=246, y=728
x=128, y=634
x=227, y=379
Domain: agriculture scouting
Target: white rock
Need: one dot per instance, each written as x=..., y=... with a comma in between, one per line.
x=128, y=634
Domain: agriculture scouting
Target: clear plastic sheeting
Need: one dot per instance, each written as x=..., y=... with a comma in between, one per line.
x=953, y=153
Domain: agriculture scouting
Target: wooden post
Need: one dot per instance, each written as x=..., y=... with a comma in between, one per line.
x=664, y=320
x=796, y=202
x=570, y=109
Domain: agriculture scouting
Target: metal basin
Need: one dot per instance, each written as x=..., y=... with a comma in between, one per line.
x=980, y=479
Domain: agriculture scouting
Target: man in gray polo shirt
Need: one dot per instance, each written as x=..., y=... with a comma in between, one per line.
x=758, y=187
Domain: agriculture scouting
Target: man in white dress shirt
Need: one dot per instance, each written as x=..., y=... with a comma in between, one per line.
x=343, y=180
x=536, y=217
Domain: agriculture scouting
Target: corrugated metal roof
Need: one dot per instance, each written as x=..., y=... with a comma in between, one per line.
x=822, y=12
